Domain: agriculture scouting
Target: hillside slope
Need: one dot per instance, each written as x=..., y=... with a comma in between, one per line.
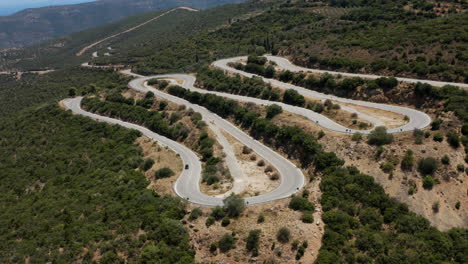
x=174, y=26
x=39, y=24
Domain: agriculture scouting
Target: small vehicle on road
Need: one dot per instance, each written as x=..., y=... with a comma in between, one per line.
x=186, y=166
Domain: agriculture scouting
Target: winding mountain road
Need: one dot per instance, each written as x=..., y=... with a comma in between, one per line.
x=292, y=179
x=417, y=119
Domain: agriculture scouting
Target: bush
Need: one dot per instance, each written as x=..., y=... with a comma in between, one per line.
x=436, y=207
x=356, y=137
x=457, y=205
x=261, y=218
x=273, y=110
x=298, y=203
x=428, y=182
x=213, y=247
x=234, y=205
x=283, y=235
x=435, y=125
x=163, y=173
x=453, y=139
x=147, y=164
x=379, y=137
x=464, y=129
x=427, y=166
x=445, y=160
x=210, y=221
x=227, y=243
x=226, y=221
x=460, y=167
x=438, y=137
x=295, y=244
x=196, y=212
x=418, y=136
x=408, y=161
x=253, y=240
x=218, y=212
x=246, y=150
x=307, y=217
x=387, y=167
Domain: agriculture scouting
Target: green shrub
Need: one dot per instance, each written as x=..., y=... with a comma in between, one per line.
x=445, y=160
x=464, y=129
x=438, y=137
x=273, y=110
x=428, y=182
x=427, y=166
x=210, y=221
x=460, y=167
x=307, y=217
x=196, y=212
x=147, y=164
x=226, y=221
x=295, y=244
x=379, y=137
x=301, y=204
x=227, y=243
x=253, y=240
x=356, y=137
x=387, y=167
x=435, y=125
x=261, y=218
x=218, y=213
x=453, y=139
x=213, y=247
x=234, y=205
x=283, y=235
x=163, y=173
x=457, y=205
x=408, y=161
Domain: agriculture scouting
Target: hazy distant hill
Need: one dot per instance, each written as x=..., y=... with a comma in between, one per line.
x=35, y=25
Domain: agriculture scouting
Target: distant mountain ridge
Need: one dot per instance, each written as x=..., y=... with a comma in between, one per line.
x=35, y=25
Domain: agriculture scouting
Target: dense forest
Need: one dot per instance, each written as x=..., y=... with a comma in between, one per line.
x=35, y=89
x=395, y=41
x=70, y=190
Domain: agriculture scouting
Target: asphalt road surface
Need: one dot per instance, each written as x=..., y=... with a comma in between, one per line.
x=417, y=119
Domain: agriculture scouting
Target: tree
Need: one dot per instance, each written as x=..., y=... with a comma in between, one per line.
x=427, y=166
x=163, y=173
x=227, y=243
x=379, y=137
x=273, y=110
x=283, y=235
x=234, y=205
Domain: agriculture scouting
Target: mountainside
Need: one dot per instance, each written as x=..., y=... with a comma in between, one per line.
x=391, y=188
x=39, y=24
